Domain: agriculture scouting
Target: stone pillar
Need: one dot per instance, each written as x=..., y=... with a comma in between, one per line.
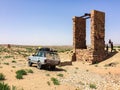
x=79, y=33
x=96, y=52
x=97, y=30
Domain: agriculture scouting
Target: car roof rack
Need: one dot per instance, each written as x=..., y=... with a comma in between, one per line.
x=46, y=49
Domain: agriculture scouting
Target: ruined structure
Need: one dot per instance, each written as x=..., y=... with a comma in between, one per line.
x=96, y=52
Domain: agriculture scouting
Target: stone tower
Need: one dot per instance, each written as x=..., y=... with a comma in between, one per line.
x=96, y=52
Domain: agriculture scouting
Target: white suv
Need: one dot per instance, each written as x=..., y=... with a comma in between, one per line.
x=44, y=57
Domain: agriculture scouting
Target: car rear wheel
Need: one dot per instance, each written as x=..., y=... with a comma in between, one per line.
x=52, y=67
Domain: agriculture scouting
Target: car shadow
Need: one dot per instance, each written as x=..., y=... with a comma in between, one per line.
x=65, y=63
x=56, y=69
x=48, y=69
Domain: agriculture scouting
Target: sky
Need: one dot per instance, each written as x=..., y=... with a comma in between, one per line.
x=49, y=22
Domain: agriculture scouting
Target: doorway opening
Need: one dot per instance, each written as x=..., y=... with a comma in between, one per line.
x=88, y=33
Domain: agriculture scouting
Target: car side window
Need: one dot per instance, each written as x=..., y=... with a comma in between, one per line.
x=41, y=54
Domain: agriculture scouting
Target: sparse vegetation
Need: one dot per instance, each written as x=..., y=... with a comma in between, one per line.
x=14, y=88
x=25, y=55
x=48, y=83
x=60, y=75
x=93, y=86
x=55, y=81
x=61, y=48
x=13, y=66
x=116, y=47
x=83, y=62
x=106, y=68
x=96, y=65
x=109, y=72
x=8, y=56
x=77, y=89
x=2, y=76
x=95, y=62
x=47, y=74
x=11, y=70
x=112, y=64
x=19, y=76
x=106, y=65
x=76, y=68
x=4, y=86
x=2, y=49
x=81, y=83
x=29, y=71
x=75, y=72
x=64, y=50
x=13, y=61
x=6, y=63
x=20, y=73
x=29, y=49
x=18, y=52
x=65, y=70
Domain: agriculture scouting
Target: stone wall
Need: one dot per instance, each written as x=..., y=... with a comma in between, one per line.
x=88, y=55
x=85, y=55
x=96, y=52
x=79, y=33
x=97, y=30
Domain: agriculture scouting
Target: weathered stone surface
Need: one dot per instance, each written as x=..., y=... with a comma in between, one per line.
x=79, y=30
x=97, y=30
x=96, y=52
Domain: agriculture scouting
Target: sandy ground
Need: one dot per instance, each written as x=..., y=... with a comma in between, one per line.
x=77, y=76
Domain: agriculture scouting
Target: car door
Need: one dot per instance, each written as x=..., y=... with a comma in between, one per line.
x=34, y=57
x=41, y=57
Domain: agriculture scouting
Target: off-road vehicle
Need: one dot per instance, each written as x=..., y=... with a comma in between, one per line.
x=44, y=57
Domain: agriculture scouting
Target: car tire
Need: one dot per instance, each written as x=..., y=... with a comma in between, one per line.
x=52, y=67
x=39, y=65
x=30, y=63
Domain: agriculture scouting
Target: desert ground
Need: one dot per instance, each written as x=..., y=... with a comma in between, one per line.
x=70, y=75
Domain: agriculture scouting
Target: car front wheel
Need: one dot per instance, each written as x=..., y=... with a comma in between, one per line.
x=39, y=66
x=30, y=63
